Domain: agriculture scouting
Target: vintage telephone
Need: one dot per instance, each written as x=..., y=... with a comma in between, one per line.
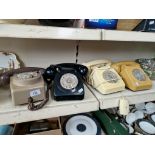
x=27, y=86
x=133, y=75
x=104, y=78
x=67, y=78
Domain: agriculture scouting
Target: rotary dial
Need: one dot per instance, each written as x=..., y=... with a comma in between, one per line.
x=110, y=76
x=27, y=75
x=69, y=81
x=139, y=75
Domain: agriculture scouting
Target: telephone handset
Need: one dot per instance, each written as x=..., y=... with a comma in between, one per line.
x=97, y=63
x=104, y=78
x=5, y=77
x=133, y=75
x=67, y=78
x=117, y=66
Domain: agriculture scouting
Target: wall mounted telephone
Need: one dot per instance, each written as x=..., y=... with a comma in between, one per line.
x=133, y=75
x=67, y=78
x=104, y=78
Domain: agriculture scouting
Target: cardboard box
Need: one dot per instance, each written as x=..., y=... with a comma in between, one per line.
x=55, y=131
x=127, y=24
x=24, y=128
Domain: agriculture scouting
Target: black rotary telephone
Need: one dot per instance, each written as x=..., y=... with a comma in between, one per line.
x=68, y=80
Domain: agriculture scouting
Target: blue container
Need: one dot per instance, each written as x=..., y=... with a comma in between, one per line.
x=6, y=130
x=101, y=23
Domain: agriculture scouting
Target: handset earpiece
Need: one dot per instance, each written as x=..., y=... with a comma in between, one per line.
x=49, y=74
x=58, y=68
x=78, y=67
x=83, y=70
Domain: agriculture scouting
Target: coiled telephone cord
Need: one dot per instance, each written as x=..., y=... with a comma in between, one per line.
x=31, y=103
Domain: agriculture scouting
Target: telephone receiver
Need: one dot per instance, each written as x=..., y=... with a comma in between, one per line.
x=97, y=64
x=50, y=72
x=120, y=65
x=5, y=77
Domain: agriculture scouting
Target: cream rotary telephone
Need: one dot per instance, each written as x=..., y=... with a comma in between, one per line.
x=104, y=78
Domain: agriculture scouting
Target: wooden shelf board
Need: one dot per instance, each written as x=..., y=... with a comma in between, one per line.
x=50, y=32
x=115, y=35
x=112, y=100
x=10, y=114
x=47, y=32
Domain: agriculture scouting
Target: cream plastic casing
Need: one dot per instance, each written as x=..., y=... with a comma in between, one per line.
x=104, y=86
x=95, y=77
x=24, y=85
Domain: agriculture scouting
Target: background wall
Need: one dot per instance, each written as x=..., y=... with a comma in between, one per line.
x=38, y=52
x=116, y=51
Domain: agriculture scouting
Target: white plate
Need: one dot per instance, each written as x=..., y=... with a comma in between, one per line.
x=139, y=114
x=150, y=108
x=147, y=127
x=8, y=61
x=153, y=117
x=131, y=129
x=140, y=106
x=81, y=125
x=131, y=118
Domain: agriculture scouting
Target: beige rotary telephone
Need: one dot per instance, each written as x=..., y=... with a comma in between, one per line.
x=133, y=75
x=28, y=86
x=104, y=78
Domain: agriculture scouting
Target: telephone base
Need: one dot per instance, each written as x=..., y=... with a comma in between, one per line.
x=110, y=91
x=140, y=88
x=21, y=89
x=62, y=92
x=67, y=98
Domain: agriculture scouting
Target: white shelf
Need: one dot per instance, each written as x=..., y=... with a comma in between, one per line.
x=10, y=114
x=112, y=100
x=47, y=32
x=115, y=35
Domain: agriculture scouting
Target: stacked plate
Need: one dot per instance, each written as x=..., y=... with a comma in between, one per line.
x=81, y=124
x=142, y=118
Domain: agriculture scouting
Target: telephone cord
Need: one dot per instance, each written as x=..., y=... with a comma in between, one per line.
x=33, y=107
x=77, y=50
